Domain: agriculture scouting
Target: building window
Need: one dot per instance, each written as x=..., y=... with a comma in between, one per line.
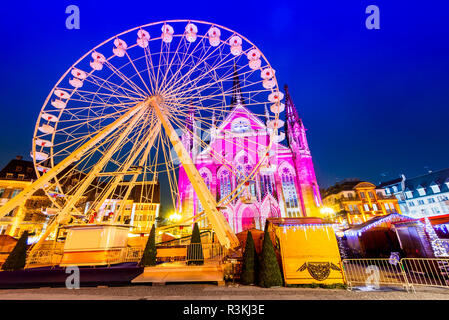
x=9, y=175
x=411, y=204
x=375, y=207
x=431, y=200
x=420, y=202
x=409, y=194
x=371, y=195
x=21, y=176
x=395, y=189
x=2, y=191
x=15, y=192
x=421, y=191
x=435, y=210
x=435, y=188
x=366, y=207
x=362, y=195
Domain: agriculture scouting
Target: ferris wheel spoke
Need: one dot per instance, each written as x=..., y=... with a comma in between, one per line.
x=107, y=84
x=138, y=73
x=186, y=57
x=213, y=81
x=124, y=78
x=150, y=68
x=201, y=60
x=175, y=53
x=131, y=157
x=223, y=64
x=204, y=144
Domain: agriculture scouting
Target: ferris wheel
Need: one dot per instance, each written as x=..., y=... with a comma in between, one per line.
x=116, y=117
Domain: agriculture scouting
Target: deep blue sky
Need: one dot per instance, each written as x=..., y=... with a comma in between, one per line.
x=375, y=101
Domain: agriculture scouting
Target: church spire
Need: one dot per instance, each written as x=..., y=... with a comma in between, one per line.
x=236, y=90
x=291, y=113
x=294, y=128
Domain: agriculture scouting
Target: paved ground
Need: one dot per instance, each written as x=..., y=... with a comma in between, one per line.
x=212, y=292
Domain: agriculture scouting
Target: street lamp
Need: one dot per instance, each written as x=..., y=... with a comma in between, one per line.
x=175, y=217
x=326, y=211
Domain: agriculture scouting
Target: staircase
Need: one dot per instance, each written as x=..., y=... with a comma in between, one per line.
x=180, y=272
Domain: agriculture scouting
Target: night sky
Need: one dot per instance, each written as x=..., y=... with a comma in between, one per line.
x=375, y=102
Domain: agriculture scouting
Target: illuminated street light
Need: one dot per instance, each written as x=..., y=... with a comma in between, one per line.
x=175, y=217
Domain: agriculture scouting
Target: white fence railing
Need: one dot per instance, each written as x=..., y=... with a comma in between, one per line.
x=408, y=273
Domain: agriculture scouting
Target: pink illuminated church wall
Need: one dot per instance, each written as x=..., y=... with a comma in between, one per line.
x=284, y=186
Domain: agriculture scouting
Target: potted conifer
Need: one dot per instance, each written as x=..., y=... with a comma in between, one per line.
x=17, y=258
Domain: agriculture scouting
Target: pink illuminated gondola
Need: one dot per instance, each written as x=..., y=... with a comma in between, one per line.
x=39, y=156
x=76, y=83
x=49, y=117
x=43, y=143
x=45, y=128
x=61, y=94
x=267, y=73
x=275, y=124
x=269, y=84
x=79, y=74
x=255, y=64
x=275, y=96
x=59, y=104
x=277, y=107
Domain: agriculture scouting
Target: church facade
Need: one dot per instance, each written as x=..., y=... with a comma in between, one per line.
x=284, y=185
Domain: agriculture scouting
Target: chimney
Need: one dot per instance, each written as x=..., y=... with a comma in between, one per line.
x=19, y=157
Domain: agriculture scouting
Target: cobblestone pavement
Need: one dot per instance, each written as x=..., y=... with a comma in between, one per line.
x=213, y=292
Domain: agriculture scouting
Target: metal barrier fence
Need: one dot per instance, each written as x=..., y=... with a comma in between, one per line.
x=430, y=272
x=191, y=252
x=373, y=273
x=408, y=273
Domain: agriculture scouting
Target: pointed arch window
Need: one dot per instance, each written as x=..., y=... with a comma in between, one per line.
x=290, y=193
x=224, y=180
x=266, y=184
x=206, y=179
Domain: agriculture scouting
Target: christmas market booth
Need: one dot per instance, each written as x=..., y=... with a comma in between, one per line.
x=375, y=238
x=424, y=238
x=308, y=250
x=257, y=237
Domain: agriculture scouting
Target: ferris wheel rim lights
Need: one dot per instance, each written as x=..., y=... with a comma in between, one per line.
x=212, y=36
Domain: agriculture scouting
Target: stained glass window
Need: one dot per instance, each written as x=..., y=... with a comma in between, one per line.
x=290, y=193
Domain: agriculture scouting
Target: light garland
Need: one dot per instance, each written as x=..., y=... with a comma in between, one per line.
x=390, y=218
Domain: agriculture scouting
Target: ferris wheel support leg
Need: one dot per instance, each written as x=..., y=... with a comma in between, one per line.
x=148, y=142
x=74, y=156
x=65, y=212
x=156, y=130
x=226, y=237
